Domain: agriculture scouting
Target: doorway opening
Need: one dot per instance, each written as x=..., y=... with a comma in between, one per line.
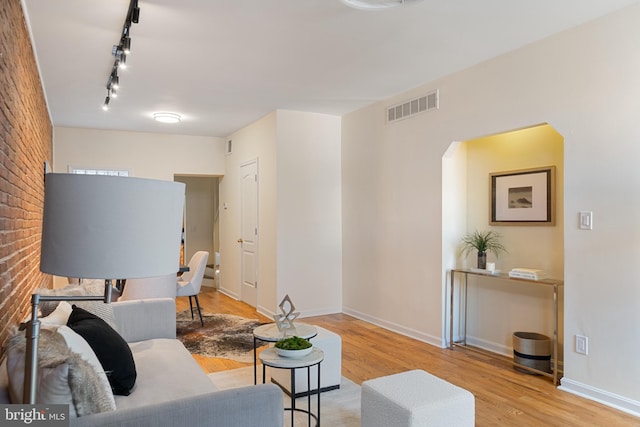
x=201, y=223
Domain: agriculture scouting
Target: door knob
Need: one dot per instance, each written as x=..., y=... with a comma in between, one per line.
x=240, y=240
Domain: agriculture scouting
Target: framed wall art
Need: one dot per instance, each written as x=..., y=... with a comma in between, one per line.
x=522, y=197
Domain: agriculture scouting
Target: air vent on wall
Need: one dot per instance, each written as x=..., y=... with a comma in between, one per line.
x=409, y=108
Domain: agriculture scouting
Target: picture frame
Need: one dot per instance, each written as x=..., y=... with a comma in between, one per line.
x=522, y=197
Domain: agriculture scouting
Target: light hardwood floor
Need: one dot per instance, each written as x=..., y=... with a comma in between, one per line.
x=504, y=397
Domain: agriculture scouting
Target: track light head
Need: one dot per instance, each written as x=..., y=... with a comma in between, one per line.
x=122, y=62
x=105, y=106
x=135, y=15
x=126, y=45
x=115, y=81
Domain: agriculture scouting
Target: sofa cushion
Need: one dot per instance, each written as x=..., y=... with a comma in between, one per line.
x=166, y=371
x=112, y=350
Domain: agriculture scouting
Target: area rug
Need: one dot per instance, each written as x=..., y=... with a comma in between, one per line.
x=223, y=335
x=339, y=408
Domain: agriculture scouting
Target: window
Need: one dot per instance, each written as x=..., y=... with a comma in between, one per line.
x=91, y=171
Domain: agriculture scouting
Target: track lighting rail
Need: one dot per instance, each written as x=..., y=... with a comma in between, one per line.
x=120, y=51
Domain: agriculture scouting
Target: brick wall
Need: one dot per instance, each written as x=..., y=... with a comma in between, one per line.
x=25, y=144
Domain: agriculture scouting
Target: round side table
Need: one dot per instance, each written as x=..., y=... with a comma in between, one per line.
x=270, y=333
x=270, y=358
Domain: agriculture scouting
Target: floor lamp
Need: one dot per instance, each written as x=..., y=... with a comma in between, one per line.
x=103, y=227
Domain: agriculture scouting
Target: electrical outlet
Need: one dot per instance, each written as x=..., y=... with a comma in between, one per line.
x=582, y=344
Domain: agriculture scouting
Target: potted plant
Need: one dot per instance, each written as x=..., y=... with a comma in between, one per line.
x=293, y=347
x=483, y=242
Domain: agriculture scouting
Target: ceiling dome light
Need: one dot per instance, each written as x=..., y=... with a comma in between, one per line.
x=167, y=117
x=377, y=4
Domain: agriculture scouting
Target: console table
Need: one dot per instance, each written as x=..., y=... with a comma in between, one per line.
x=554, y=284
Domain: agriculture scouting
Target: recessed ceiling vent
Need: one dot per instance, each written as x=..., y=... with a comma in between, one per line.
x=409, y=108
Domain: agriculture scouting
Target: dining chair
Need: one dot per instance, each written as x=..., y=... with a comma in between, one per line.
x=189, y=282
x=150, y=287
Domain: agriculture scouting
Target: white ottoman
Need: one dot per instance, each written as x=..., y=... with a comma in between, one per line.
x=330, y=368
x=415, y=399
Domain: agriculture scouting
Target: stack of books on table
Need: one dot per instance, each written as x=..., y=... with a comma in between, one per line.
x=527, y=273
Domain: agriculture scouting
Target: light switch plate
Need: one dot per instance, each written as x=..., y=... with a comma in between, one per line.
x=582, y=344
x=586, y=220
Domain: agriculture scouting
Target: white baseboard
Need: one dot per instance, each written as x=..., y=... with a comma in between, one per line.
x=500, y=349
x=265, y=311
x=229, y=293
x=320, y=312
x=606, y=398
x=409, y=332
x=490, y=346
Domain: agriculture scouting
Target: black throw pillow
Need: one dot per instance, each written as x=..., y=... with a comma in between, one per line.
x=112, y=350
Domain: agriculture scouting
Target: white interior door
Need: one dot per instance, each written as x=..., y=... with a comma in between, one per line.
x=249, y=233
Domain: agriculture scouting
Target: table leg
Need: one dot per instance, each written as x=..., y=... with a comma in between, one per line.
x=309, y=395
x=318, y=413
x=264, y=373
x=466, y=277
x=255, y=363
x=555, y=334
x=293, y=394
x=451, y=311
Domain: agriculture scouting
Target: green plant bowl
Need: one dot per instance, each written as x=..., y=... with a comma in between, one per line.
x=294, y=347
x=294, y=354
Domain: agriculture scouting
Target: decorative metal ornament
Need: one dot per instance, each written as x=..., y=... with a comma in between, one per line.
x=284, y=320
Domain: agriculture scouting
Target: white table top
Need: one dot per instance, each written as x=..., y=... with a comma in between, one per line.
x=269, y=357
x=271, y=333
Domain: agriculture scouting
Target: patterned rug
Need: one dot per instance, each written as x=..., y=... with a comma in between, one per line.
x=223, y=335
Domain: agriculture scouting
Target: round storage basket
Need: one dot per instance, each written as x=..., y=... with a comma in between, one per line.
x=532, y=350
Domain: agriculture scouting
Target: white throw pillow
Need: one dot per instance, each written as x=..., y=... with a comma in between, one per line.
x=79, y=345
x=59, y=316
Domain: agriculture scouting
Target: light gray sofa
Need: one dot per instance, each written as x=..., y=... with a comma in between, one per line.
x=171, y=389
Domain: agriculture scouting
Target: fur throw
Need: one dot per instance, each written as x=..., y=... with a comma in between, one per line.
x=87, y=394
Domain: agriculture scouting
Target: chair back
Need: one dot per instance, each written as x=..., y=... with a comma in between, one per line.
x=197, y=265
x=151, y=287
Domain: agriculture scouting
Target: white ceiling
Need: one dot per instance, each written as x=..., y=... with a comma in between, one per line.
x=222, y=64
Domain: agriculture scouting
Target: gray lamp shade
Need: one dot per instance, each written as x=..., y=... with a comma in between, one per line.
x=110, y=227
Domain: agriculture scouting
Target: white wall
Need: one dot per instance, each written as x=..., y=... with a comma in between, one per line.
x=256, y=141
x=309, y=212
x=299, y=230
x=147, y=155
x=585, y=83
